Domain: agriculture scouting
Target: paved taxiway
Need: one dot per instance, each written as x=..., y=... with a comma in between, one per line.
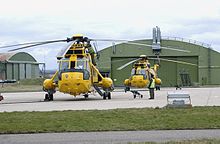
x=34, y=101
x=112, y=137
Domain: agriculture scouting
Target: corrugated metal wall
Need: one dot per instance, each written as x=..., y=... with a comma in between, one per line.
x=22, y=71
x=9, y=71
x=12, y=69
x=2, y=71
x=28, y=71
x=15, y=71
x=35, y=71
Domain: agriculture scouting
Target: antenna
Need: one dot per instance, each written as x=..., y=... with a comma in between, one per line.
x=156, y=40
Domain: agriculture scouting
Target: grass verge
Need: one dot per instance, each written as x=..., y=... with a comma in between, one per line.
x=110, y=120
x=200, y=141
x=26, y=85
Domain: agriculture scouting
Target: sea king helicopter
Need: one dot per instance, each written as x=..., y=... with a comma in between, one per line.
x=142, y=72
x=77, y=73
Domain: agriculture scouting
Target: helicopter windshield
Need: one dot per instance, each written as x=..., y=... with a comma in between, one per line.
x=138, y=72
x=143, y=71
x=64, y=65
x=81, y=63
x=133, y=72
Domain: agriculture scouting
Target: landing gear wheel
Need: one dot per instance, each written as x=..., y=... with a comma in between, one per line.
x=48, y=97
x=109, y=95
x=86, y=96
x=141, y=96
x=1, y=97
x=134, y=96
x=104, y=95
x=127, y=89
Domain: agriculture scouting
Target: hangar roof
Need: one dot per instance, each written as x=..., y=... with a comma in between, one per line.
x=16, y=56
x=6, y=56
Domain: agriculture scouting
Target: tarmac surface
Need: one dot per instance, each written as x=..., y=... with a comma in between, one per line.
x=34, y=101
x=111, y=137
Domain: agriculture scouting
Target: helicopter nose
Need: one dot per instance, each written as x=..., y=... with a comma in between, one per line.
x=138, y=81
x=74, y=84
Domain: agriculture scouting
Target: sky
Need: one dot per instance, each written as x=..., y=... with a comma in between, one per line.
x=39, y=20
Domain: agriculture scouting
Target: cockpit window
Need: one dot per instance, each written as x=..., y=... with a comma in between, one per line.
x=64, y=65
x=139, y=71
x=143, y=71
x=133, y=72
x=81, y=63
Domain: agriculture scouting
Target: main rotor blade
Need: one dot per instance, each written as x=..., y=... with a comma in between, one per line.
x=37, y=44
x=7, y=46
x=140, y=44
x=125, y=65
x=109, y=40
x=30, y=43
x=148, y=45
x=180, y=62
x=169, y=48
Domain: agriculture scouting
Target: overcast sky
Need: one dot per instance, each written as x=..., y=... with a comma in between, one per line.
x=38, y=20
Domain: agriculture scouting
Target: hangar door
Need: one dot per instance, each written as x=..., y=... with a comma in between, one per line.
x=170, y=73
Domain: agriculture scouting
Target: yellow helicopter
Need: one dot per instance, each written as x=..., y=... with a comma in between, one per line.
x=77, y=73
x=142, y=73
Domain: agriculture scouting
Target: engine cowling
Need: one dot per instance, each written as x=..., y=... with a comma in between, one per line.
x=107, y=83
x=49, y=84
x=158, y=81
x=127, y=82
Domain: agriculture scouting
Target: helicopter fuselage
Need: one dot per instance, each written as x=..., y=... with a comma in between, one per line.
x=74, y=83
x=137, y=81
x=77, y=74
x=141, y=75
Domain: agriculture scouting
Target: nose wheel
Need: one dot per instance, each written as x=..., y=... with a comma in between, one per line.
x=1, y=97
x=86, y=96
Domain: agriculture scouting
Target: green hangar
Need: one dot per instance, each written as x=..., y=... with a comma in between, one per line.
x=204, y=67
x=18, y=66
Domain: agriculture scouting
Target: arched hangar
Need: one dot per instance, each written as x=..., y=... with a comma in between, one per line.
x=17, y=66
x=205, y=71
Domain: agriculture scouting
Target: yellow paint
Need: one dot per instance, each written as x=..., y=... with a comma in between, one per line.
x=140, y=77
x=73, y=83
x=72, y=68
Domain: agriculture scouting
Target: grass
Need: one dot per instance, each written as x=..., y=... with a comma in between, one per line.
x=200, y=141
x=26, y=85
x=110, y=120
x=36, y=81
